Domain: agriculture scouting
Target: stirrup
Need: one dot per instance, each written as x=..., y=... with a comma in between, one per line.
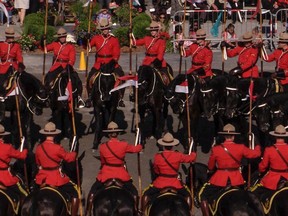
x=81, y=103
x=121, y=103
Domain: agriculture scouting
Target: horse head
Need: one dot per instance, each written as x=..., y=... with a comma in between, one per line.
x=33, y=92
x=146, y=83
x=262, y=114
x=209, y=100
x=178, y=100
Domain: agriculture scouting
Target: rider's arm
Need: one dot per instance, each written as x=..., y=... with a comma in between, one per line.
x=263, y=165
x=72, y=55
x=233, y=52
x=17, y=154
x=116, y=50
x=67, y=156
x=161, y=50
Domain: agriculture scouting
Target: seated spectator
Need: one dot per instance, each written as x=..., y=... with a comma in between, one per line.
x=202, y=5
x=229, y=34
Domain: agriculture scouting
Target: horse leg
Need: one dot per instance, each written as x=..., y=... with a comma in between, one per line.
x=165, y=115
x=98, y=127
x=141, y=125
x=15, y=131
x=2, y=111
x=28, y=118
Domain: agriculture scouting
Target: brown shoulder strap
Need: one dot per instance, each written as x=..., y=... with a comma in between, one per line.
x=280, y=154
x=113, y=152
x=229, y=153
x=45, y=152
x=169, y=164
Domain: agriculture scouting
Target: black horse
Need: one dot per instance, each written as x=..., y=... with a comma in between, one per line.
x=114, y=200
x=169, y=204
x=230, y=201
x=151, y=97
x=105, y=103
x=61, y=97
x=32, y=98
x=51, y=201
x=178, y=102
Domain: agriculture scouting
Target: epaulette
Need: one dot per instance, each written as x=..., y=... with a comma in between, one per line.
x=112, y=35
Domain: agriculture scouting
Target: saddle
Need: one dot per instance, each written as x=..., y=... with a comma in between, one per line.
x=165, y=78
x=113, y=183
x=64, y=196
x=93, y=79
x=12, y=197
x=214, y=202
x=267, y=198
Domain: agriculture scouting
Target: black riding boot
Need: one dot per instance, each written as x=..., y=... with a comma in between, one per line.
x=89, y=205
x=144, y=202
x=205, y=208
x=74, y=206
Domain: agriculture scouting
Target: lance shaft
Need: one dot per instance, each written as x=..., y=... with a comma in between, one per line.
x=88, y=39
x=223, y=30
x=45, y=33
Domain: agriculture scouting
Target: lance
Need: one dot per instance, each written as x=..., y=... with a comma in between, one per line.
x=74, y=141
x=224, y=51
x=88, y=39
x=130, y=36
x=183, y=37
x=45, y=33
x=190, y=142
x=260, y=31
x=22, y=139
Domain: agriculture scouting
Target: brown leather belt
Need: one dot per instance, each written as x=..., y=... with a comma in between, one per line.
x=4, y=168
x=114, y=165
x=62, y=60
x=229, y=169
x=104, y=56
x=278, y=170
x=50, y=168
x=169, y=175
x=150, y=55
x=196, y=64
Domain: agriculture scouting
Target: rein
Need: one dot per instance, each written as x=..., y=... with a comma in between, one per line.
x=99, y=82
x=153, y=86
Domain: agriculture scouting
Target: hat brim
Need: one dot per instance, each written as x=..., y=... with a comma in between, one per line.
x=241, y=39
x=163, y=143
x=228, y=133
x=282, y=40
x=153, y=29
x=57, y=131
x=277, y=134
x=59, y=36
x=113, y=131
x=4, y=133
x=105, y=27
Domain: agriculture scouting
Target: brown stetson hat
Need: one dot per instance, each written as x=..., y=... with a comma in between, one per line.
x=247, y=37
x=61, y=33
x=168, y=140
x=2, y=131
x=154, y=26
x=283, y=37
x=50, y=129
x=280, y=131
x=228, y=129
x=113, y=128
x=200, y=34
x=10, y=32
x=104, y=24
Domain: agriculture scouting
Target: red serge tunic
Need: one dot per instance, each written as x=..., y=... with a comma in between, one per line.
x=281, y=58
x=10, y=53
x=278, y=168
x=7, y=152
x=49, y=172
x=227, y=167
x=167, y=175
x=63, y=54
x=201, y=57
x=247, y=60
x=112, y=166
x=107, y=48
x=155, y=48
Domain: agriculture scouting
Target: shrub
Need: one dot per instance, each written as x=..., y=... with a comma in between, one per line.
x=34, y=25
x=140, y=23
x=122, y=35
x=27, y=42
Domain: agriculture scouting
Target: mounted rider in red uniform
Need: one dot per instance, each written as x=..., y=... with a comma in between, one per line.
x=166, y=166
x=280, y=55
x=201, y=56
x=8, y=181
x=107, y=50
x=275, y=160
x=63, y=59
x=155, y=46
x=49, y=156
x=247, y=56
x=10, y=54
x=226, y=160
x=112, y=156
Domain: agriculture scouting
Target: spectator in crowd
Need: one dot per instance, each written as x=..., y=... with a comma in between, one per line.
x=215, y=5
x=153, y=14
x=9, y=6
x=1, y=16
x=104, y=14
x=235, y=5
x=229, y=34
x=21, y=6
x=202, y=5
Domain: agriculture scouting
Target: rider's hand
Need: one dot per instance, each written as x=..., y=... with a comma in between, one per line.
x=21, y=67
x=223, y=44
